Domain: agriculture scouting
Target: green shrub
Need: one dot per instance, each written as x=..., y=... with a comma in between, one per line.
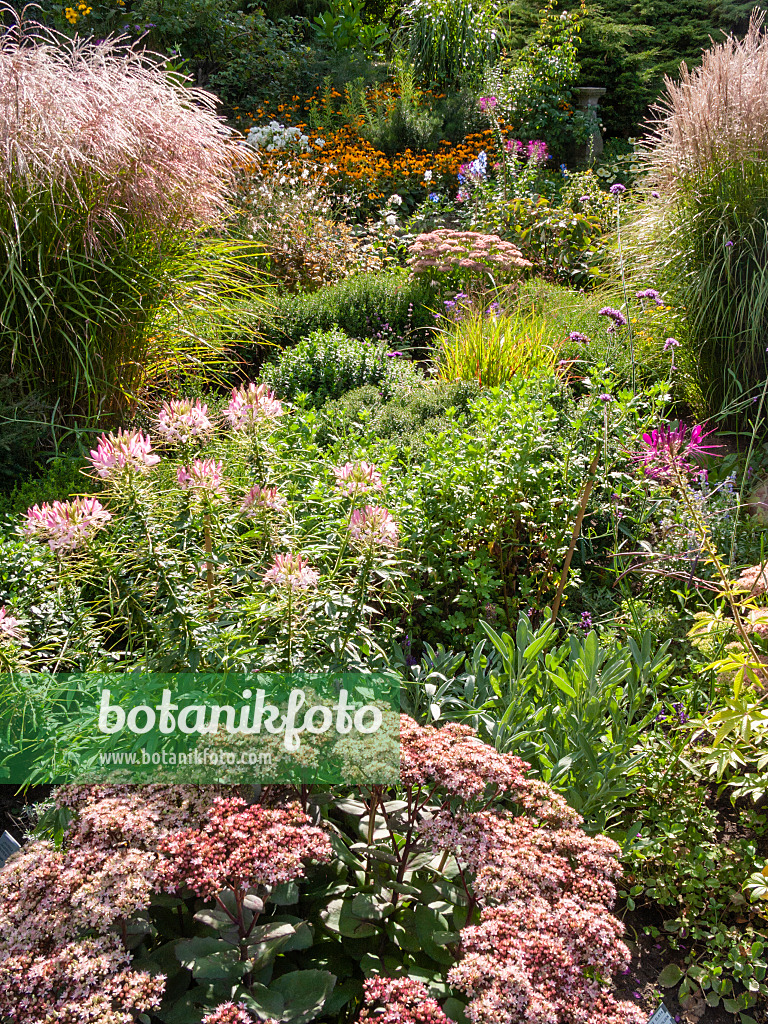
x=55, y=481
x=390, y=306
x=327, y=364
x=407, y=418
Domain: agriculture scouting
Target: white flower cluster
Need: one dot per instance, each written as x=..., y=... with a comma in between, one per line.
x=275, y=136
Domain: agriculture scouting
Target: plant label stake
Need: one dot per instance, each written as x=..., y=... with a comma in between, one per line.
x=662, y=1016
x=8, y=845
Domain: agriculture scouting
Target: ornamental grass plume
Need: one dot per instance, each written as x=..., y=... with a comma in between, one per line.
x=66, y=526
x=110, y=169
x=124, y=452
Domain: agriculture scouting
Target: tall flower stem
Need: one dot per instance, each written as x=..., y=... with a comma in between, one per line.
x=586, y=491
x=209, y=578
x=624, y=290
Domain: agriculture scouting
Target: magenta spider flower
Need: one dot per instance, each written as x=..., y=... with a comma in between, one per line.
x=181, y=420
x=9, y=626
x=252, y=405
x=357, y=477
x=66, y=525
x=204, y=476
x=373, y=527
x=488, y=102
x=125, y=451
x=292, y=571
x=667, y=453
x=536, y=151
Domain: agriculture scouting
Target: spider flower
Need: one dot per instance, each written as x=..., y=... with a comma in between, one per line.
x=181, y=420
x=204, y=476
x=9, y=626
x=356, y=477
x=373, y=527
x=125, y=451
x=66, y=525
x=262, y=497
x=251, y=405
x=668, y=453
x=292, y=571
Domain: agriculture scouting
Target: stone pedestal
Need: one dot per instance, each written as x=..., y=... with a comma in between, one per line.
x=588, y=97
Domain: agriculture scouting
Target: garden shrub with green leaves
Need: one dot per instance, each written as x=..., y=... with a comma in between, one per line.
x=327, y=364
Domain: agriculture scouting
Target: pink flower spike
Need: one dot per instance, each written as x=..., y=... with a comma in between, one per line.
x=124, y=452
x=181, y=420
x=204, y=476
x=9, y=626
x=66, y=526
x=292, y=571
x=252, y=405
x=373, y=527
x=357, y=477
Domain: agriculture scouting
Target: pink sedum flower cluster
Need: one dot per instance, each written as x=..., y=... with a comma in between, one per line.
x=181, y=420
x=251, y=406
x=66, y=525
x=242, y=846
x=9, y=626
x=400, y=1001
x=357, y=478
x=127, y=451
x=373, y=527
x=292, y=571
x=205, y=477
x=232, y=1013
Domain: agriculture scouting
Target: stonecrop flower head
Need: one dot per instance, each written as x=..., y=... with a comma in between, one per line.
x=292, y=571
x=400, y=1001
x=358, y=477
x=204, y=476
x=242, y=846
x=262, y=498
x=373, y=527
x=231, y=1013
x=667, y=454
x=252, y=405
x=9, y=626
x=125, y=451
x=181, y=420
x=66, y=525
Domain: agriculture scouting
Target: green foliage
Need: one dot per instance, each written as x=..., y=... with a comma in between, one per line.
x=55, y=481
x=406, y=123
x=364, y=305
x=327, y=364
x=342, y=28
x=533, y=88
x=450, y=42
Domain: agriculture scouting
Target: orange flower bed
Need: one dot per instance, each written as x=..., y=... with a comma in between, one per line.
x=349, y=159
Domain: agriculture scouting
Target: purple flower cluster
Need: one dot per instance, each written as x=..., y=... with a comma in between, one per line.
x=650, y=293
x=616, y=317
x=577, y=336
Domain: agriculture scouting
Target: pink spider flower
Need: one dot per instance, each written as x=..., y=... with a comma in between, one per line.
x=204, y=476
x=181, y=420
x=9, y=626
x=373, y=527
x=252, y=405
x=125, y=451
x=262, y=497
x=357, y=477
x=66, y=525
x=292, y=571
x=667, y=453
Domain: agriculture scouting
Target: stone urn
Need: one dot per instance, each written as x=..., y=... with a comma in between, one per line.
x=588, y=97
